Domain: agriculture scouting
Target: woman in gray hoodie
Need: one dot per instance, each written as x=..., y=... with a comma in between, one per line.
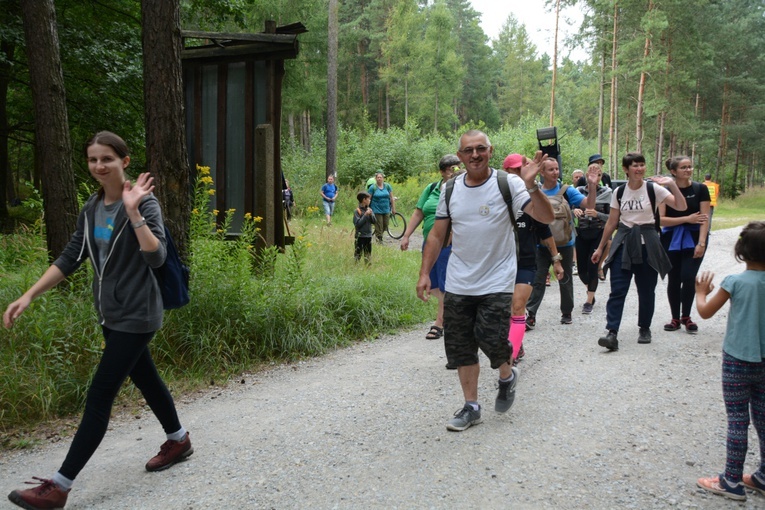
x=120, y=229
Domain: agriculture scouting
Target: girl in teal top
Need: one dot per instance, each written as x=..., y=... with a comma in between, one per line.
x=743, y=365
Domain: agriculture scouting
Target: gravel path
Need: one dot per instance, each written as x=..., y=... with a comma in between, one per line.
x=364, y=427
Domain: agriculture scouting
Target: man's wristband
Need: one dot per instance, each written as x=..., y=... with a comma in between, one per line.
x=557, y=257
x=533, y=189
x=138, y=224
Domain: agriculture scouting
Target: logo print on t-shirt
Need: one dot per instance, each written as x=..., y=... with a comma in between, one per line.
x=484, y=210
x=104, y=233
x=633, y=205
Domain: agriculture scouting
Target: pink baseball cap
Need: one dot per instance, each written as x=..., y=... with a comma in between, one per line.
x=513, y=161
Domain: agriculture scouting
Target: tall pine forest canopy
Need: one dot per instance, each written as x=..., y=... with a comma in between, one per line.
x=663, y=77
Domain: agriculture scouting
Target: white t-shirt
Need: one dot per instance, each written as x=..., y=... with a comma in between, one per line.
x=636, y=206
x=483, y=245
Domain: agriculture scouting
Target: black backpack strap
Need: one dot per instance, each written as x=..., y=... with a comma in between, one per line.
x=654, y=205
x=504, y=188
x=620, y=194
x=448, y=190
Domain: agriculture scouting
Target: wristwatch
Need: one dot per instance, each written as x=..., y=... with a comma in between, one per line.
x=138, y=224
x=557, y=257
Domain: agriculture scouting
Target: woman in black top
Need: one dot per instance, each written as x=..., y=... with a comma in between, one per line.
x=684, y=237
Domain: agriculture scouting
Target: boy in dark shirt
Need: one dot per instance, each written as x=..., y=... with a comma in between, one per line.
x=363, y=219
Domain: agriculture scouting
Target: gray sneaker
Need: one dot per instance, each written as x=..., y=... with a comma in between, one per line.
x=464, y=418
x=644, y=337
x=587, y=308
x=506, y=393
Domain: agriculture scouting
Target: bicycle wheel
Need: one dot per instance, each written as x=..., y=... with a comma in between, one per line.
x=396, y=226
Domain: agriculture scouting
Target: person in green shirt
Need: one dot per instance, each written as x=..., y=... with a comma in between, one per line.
x=425, y=213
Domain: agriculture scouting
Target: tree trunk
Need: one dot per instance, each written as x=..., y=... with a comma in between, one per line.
x=612, y=138
x=308, y=130
x=641, y=92
x=435, y=116
x=387, y=106
x=406, y=96
x=735, y=165
x=166, y=156
x=658, y=167
x=7, y=49
x=663, y=114
x=601, y=100
x=693, y=145
x=291, y=128
x=554, y=64
x=331, y=167
x=53, y=148
x=723, y=127
x=362, y=48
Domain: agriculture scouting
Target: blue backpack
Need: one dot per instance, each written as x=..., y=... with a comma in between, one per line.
x=173, y=278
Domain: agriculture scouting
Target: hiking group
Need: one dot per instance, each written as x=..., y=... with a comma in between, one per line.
x=490, y=239
x=485, y=228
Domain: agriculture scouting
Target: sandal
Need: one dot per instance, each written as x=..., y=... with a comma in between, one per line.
x=672, y=325
x=601, y=275
x=435, y=333
x=690, y=326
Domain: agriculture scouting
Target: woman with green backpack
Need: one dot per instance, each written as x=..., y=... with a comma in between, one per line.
x=425, y=213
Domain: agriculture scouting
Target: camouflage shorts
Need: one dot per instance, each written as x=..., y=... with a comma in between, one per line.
x=473, y=322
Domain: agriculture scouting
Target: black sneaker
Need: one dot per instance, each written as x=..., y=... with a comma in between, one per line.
x=644, y=337
x=506, y=393
x=566, y=318
x=609, y=341
x=464, y=418
x=531, y=321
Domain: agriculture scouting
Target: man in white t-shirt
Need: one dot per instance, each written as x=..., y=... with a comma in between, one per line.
x=636, y=251
x=481, y=273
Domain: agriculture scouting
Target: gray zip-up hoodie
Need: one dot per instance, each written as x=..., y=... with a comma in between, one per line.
x=125, y=291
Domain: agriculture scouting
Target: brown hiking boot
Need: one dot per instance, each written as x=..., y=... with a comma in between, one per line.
x=171, y=452
x=47, y=495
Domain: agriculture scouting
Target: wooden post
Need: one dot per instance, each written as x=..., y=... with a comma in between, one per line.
x=264, y=183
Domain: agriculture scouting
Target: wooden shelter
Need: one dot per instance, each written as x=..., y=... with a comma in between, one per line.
x=233, y=100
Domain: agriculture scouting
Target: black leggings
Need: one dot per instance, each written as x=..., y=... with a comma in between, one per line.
x=585, y=247
x=681, y=281
x=125, y=354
